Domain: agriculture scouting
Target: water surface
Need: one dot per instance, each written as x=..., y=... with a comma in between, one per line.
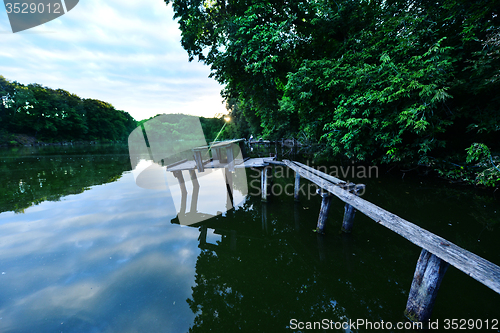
x=84, y=249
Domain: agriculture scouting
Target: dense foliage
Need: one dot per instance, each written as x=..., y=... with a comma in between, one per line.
x=57, y=115
x=410, y=82
x=179, y=126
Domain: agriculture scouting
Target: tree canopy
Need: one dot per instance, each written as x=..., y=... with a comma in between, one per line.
x=388, y=81
x=58, y=115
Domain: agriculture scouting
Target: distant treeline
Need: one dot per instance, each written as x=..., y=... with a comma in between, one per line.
x=178, y=127
x=54, y=115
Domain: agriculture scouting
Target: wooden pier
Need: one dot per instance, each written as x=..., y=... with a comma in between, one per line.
x=436, y=255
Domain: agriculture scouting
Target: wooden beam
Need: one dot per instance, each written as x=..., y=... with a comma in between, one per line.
x=319, y=173
x=478, y=268
x=176, y=163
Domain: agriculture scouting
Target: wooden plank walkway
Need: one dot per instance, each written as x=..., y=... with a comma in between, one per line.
x=471, y=264
x=260, y=162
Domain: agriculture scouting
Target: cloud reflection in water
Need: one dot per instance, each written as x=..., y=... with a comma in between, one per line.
x=105, y=260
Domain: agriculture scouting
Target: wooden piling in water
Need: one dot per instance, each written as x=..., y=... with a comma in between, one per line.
x=296, y=188
x=198, y=158
x=196, y=190
x=264, y=218
x=326, y=200
x=265, y=177
x=350, y=211
x=426, y=281
x=194, y=179
x=182, y=185
x=230, y=157
x=228, y=175
x=347, y=222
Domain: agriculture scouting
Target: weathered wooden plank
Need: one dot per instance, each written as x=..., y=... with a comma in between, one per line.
x=471, y=264
x=277, y=163
x=319, y=173
x=176, y=163
x=424, y=288
x=187, y=165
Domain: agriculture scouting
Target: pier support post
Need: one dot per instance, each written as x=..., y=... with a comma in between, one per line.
x=230, y=157
x=296, y=189
x=196, y=191
x=198, y=158
x=350, y=211
x=194, y=179
x=228, y=175
x=182, y=185
x=424, y=287
x=325, y=208
x=264, y=218
x=203, y=236
x=265, y=177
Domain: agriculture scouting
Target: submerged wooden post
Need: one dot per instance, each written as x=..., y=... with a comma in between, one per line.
x=182, y=185
x=323, y=213
x=265, y=176
x=203, y=235
x=347, y=222
x=296, y=189
x=424, y=287
x=196, y=191
x=228, y=175
x=350, y=211
x=194, y=179
x=264, y=218
x=199, y=160
x=230, y=157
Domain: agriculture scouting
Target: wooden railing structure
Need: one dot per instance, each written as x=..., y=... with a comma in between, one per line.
x=436, y=255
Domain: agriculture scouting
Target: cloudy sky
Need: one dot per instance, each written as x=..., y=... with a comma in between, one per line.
x=124, y=52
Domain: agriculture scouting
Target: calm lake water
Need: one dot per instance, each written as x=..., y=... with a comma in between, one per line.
x=84, y=249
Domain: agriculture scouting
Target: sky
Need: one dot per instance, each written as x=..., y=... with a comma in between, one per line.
x=124, y=52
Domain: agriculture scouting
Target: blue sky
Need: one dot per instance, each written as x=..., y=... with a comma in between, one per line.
x=124, y=52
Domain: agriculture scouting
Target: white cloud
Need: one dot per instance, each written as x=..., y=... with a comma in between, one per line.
x=127, y=53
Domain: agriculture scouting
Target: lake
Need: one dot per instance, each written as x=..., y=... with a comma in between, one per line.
x=83, y=248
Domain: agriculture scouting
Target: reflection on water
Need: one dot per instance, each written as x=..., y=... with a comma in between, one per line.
x=114, y=258
x=32, y=175
x=103, y=260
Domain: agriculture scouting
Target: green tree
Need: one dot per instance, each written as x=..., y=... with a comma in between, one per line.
x=391, y=81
